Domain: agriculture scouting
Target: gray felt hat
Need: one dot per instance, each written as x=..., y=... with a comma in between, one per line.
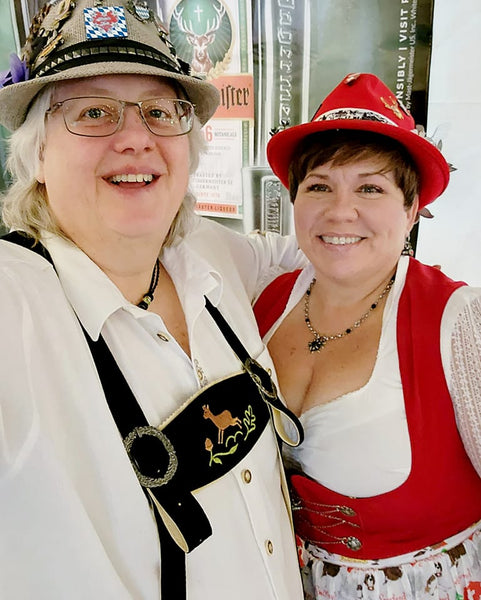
x=70, y=39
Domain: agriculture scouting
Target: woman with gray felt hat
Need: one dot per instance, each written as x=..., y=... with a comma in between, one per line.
x=136, y=399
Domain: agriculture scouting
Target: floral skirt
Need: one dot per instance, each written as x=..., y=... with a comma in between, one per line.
x=448, y=571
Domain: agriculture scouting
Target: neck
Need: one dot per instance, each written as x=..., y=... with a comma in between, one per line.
x=128, y=265
x=333, y=314
x=136, y=284
x=333, y=294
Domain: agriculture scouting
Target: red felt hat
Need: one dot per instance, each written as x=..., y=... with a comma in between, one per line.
x=362, y=102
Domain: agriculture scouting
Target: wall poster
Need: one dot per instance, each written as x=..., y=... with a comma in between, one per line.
x=273, y=61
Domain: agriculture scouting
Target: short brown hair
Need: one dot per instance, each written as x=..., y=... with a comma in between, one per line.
x=343, y=146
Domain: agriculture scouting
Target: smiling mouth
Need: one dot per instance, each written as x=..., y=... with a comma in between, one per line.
x=340, y=240
x=146, y=178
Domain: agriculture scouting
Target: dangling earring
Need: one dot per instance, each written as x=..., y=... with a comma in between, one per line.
x=408, y=249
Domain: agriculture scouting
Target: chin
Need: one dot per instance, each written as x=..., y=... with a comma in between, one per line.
x=135, y=228
x=143, y=233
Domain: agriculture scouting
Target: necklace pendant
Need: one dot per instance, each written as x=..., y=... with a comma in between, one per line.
x=316, y=344
x=319, y=340
x=145, y=302
x=149, y=295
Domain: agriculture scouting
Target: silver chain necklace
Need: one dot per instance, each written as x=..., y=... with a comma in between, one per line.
x=320, y=340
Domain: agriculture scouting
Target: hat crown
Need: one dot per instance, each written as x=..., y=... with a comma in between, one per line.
x=362, y=102
x=70, y=32
x=363, y=96
x=76, y=39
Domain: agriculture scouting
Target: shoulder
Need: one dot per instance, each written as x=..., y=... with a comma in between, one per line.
x=220, y=246
x=250, y=260
x=427, y=289
x=203, y=226
x=21, y=264
x=430, y=276
x=248, y=252
x=459, y=297
x=282, y=284
x=211, y=235
x=25, y=277
x=461, y=342
x=14, y=255
x=434, y=289
x=271, y=303
x=464, y=304
x=461, y=323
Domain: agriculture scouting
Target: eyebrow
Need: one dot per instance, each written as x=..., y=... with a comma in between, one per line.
x=371, y=173
x=359, y=175
x=318, y=175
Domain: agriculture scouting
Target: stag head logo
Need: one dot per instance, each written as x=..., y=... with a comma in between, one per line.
x=201, y=33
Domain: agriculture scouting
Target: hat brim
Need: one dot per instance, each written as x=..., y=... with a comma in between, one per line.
x=432, y=166
x=15, y=99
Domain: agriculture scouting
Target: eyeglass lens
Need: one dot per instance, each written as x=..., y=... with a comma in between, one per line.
x=97, y=117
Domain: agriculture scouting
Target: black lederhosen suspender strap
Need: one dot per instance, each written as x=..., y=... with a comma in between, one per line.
x=128, y=415
x=261, y=377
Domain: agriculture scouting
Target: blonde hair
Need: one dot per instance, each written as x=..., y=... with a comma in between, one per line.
x=25, y=203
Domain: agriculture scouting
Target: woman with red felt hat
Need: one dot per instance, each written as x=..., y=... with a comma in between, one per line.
x=379, y=356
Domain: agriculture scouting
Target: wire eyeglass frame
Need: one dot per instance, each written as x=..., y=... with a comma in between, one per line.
x=179, y=120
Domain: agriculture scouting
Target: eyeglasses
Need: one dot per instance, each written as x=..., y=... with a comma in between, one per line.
x=95, y=116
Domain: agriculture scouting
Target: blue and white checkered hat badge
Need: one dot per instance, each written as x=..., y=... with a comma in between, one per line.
x=105, y=22
x=141, y=11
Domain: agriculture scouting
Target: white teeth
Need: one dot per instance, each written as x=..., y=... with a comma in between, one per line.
x=339, y=241
x=132, y=178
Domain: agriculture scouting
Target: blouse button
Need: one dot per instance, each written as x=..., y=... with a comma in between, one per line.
x=269, y=547
x=162, y=336
x=246, y=476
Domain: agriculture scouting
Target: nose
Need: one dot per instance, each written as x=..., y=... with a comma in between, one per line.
x=342, y=205
x=133, y=133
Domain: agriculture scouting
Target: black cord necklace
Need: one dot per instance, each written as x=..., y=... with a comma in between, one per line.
x=149, y=295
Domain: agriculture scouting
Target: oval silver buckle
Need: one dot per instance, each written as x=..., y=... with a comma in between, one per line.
x=147, y=430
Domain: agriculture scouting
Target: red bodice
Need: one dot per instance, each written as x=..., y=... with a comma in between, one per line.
x=442, y=494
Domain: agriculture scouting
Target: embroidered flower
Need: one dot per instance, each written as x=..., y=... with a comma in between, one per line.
x=18, y=72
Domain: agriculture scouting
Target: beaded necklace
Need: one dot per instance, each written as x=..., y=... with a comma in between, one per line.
x=320, y=340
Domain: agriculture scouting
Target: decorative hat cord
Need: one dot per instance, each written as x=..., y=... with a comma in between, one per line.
x=320, y=340
x=149, y=295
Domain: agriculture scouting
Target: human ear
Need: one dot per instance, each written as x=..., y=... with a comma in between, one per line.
x=412, y=213
x=39, y=175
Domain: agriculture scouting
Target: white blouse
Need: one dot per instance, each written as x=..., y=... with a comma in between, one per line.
x=358, y=444
x=74, y=522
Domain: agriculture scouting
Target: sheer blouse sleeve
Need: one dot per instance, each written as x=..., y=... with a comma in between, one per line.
x=461, y=351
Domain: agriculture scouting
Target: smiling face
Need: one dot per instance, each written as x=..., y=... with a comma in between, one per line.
x=351, y=220
x=127, y=185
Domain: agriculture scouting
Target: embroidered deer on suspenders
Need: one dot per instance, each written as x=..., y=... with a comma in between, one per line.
x=222, y=421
